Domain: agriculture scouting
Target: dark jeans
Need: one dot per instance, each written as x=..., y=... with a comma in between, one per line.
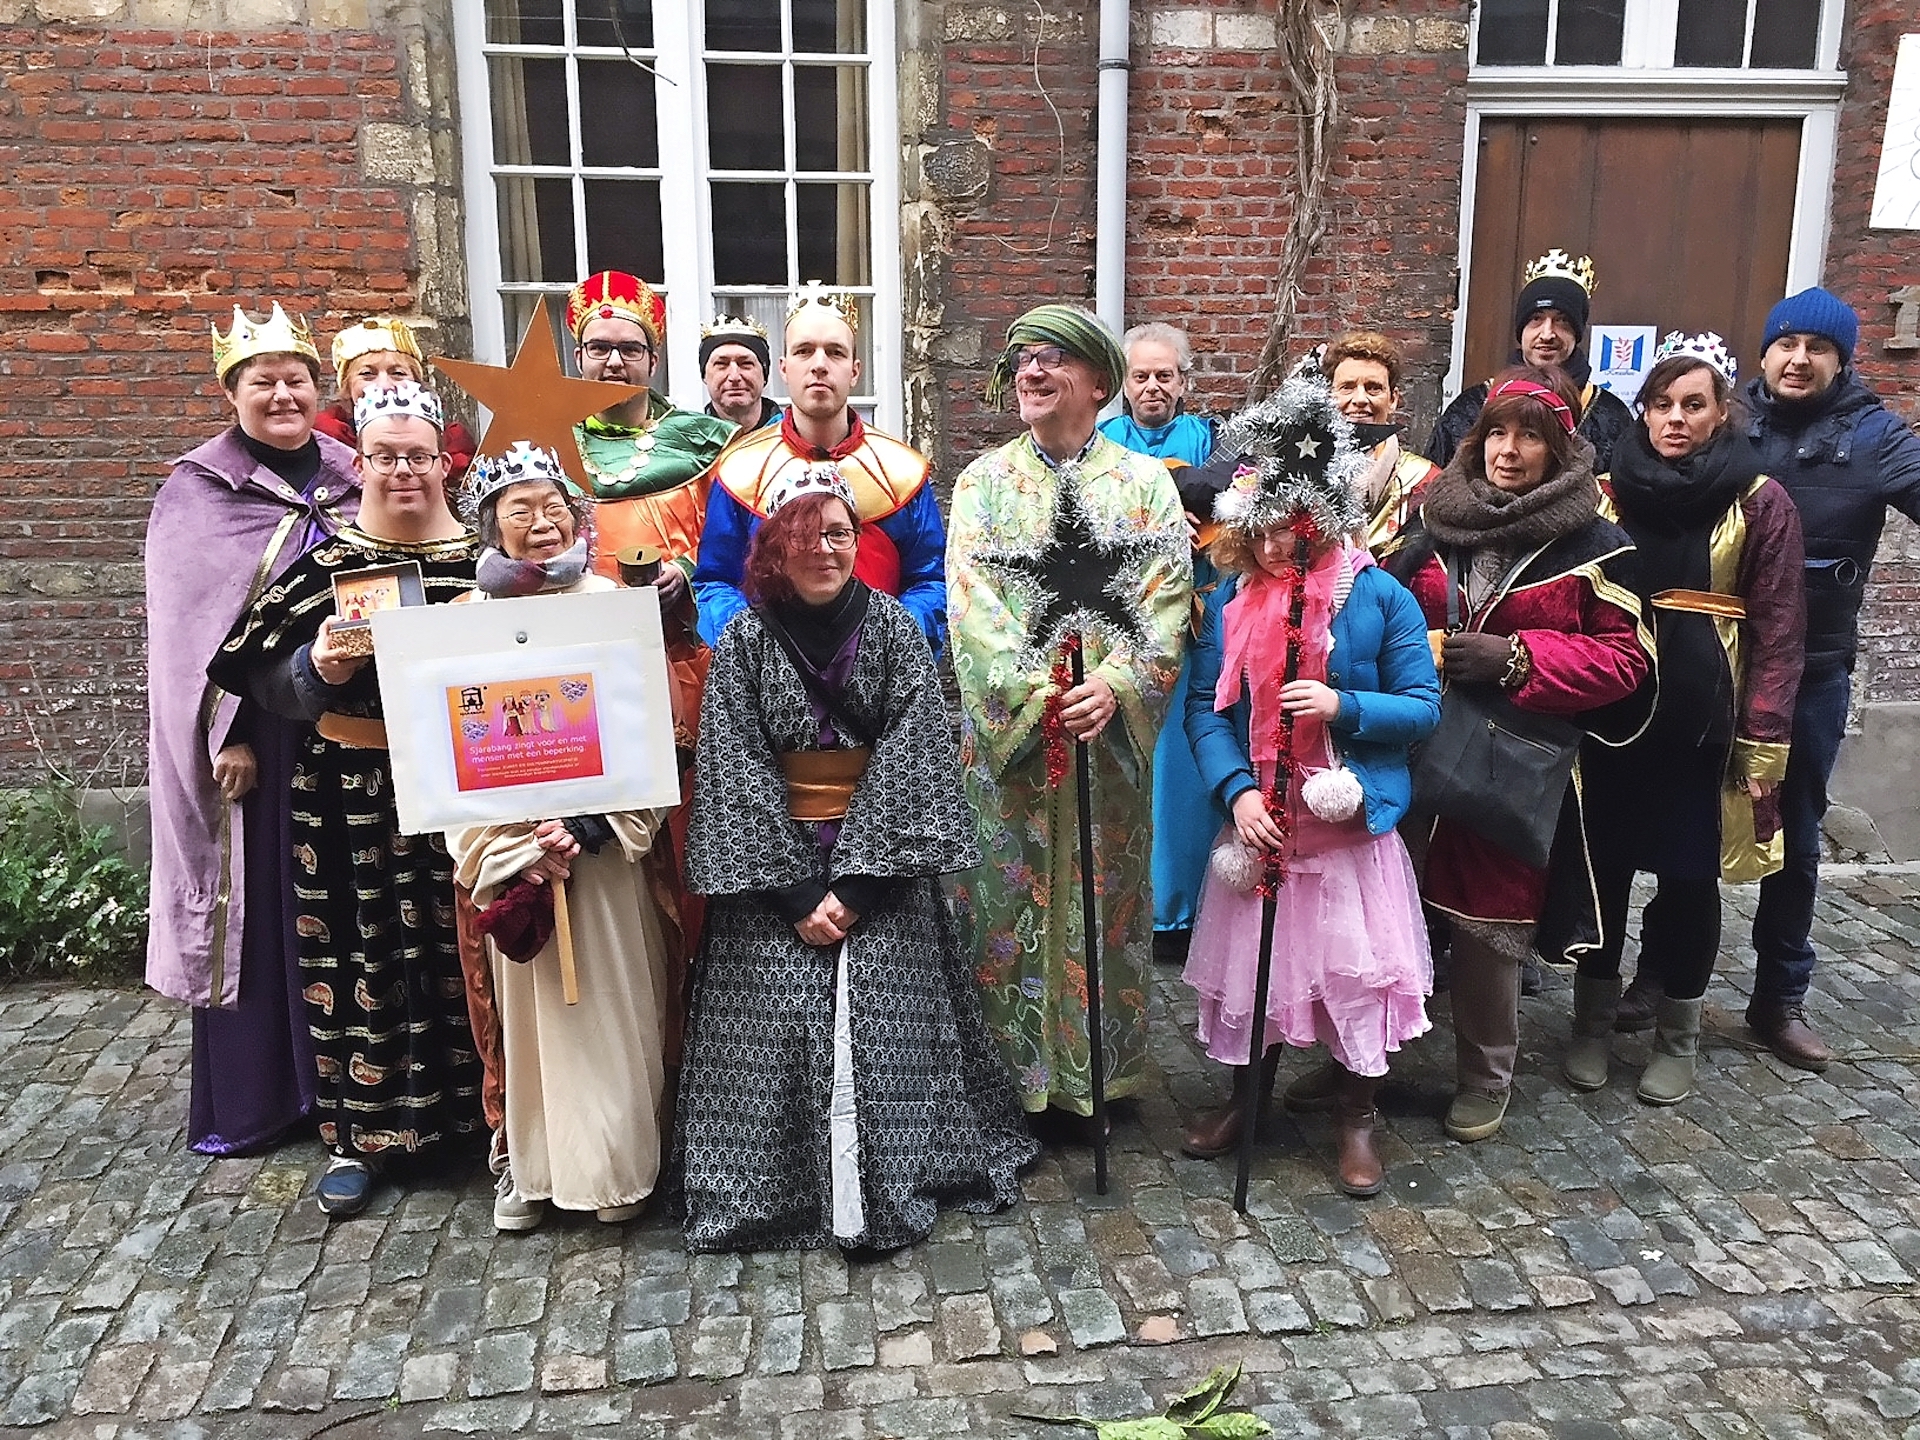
x=1783, y=955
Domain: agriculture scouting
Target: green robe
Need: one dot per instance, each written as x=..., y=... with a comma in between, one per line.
x=1023, y=902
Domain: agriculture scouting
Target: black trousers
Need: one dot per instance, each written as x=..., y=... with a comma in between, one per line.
x=1679, y=931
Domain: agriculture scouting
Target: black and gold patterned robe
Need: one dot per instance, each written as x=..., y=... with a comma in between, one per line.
x=936, y=1116
x=379, y=958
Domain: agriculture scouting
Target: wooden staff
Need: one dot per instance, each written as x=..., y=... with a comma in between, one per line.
x=1090, y=932
x=563, y=943
x=1271, y=878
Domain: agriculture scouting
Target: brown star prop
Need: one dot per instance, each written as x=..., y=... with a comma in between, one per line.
x=534, y=399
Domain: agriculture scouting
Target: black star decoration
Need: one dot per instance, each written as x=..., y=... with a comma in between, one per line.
x=1077, y=581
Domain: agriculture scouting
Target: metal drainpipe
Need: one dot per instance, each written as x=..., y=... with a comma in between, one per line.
x=1110, y=175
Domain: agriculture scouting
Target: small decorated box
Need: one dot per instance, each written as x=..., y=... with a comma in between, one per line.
x=358, y=593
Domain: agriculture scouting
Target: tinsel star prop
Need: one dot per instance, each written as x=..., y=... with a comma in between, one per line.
x=534, y=399
x=1079, y=580
x=1298, y=454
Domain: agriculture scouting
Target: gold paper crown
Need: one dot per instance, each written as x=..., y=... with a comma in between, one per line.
x=839, y=302
x=278, y=334
x=1557, y=263
x=733, y=325
x=370, y=336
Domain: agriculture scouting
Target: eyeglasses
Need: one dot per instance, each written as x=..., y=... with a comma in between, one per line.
x=839, y=537
x=1047, y=357
x=419, y=461
x=631, y=351
x=556, y=513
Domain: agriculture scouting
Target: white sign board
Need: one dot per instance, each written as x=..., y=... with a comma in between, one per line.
x=502, y=711
x=1621, y=356
x=1896, y=194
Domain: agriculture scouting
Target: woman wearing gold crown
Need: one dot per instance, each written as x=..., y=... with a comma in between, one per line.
x=235, y=513
x=386, y=1003
x=381, y=350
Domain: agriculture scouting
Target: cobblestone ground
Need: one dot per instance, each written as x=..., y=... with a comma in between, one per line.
x=1742, y=1265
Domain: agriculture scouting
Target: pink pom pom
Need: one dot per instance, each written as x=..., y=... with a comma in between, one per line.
x=1333, y=795
x=1236, y=864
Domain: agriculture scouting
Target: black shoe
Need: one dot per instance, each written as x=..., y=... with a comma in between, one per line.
x=1531, y=978
x=1170, y=946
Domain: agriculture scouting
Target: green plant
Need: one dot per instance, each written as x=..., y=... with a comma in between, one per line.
x=71, y=904
x=1200, y=1412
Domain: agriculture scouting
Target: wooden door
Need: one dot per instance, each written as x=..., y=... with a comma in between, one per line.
x=1688, y=222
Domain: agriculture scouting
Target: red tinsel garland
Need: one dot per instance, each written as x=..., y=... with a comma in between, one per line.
x=1273, y=873
x=1052, y=727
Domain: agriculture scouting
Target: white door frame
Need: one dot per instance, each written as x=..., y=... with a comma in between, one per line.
x=1607, y=91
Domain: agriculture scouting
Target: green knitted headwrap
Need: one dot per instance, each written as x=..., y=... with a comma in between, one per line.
x=1074, y=330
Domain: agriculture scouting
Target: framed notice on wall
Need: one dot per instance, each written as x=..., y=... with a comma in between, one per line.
x=1621, y=356
x=514, y=710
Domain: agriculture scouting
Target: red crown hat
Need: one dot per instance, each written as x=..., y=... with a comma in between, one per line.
x=615, y=293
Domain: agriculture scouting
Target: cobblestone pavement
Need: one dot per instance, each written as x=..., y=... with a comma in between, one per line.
x=1742, y=1265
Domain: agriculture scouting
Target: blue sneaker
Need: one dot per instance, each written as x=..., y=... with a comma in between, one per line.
x=346, y=1187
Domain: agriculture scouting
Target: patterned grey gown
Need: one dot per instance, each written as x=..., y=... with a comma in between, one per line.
x=936, y=1117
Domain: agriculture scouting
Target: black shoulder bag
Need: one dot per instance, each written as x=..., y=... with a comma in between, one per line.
x=1498, y=770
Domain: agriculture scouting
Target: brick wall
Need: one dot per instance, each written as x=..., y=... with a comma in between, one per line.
x=1864, y=266
x=1008, y=217
x=153, y=177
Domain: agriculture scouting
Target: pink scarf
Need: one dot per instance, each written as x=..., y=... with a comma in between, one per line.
x=1256, y=647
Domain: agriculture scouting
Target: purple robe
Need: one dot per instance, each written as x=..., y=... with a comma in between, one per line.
x=221, y=934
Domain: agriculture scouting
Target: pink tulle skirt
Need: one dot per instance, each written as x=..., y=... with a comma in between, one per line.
x=1351, y=968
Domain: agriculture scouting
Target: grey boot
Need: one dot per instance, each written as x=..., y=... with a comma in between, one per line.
x=1595, y=999
x=1668, y=1078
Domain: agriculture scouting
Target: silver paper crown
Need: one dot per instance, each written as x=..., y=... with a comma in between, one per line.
x=822, y=477
x=405, y=397
x=1705, y=346
x=523, y=464
x=1299, y=455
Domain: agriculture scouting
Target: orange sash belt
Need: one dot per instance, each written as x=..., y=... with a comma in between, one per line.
x=1702, y=602
x=820, y=783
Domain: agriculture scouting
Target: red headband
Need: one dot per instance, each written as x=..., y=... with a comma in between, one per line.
x=1562, y=411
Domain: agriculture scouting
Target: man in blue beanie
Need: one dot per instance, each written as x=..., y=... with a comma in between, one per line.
x=1844, y=458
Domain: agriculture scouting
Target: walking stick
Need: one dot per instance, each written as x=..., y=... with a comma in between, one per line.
x=1272, y=875
x=563, y=943
x=1090, y=932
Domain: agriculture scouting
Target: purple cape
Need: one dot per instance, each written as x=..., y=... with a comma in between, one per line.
x=222, y=527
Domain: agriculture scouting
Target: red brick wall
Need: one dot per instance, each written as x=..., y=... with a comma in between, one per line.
x=151, y=178
x=1210, y=180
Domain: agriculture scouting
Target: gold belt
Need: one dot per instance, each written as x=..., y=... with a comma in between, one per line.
x=355, y=731
x=820, y=783
x=1702, y=602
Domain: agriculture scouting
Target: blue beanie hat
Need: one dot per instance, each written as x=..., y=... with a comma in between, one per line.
x=1815, y=312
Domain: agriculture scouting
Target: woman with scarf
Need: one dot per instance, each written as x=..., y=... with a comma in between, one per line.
x=1548, y=614
x=583, y=1082
x=839, y=1086
x=1692, y=799
x=1312, y=766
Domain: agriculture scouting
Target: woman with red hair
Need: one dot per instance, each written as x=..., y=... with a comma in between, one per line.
x=1545, y=612
x=839, y=1085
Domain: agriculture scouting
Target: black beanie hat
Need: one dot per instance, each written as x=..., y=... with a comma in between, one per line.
x=1553, y=292
x=755, y=342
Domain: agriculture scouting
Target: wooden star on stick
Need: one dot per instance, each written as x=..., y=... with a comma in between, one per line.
x=534, y=399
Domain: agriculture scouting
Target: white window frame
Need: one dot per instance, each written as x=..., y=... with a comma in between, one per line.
x=686, y=244
x=1647, y=85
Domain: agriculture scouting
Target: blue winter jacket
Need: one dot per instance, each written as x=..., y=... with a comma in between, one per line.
x=1844, y=458
x=1382, y=666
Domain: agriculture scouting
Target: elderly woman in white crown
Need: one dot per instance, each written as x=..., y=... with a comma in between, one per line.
x=583, y=1082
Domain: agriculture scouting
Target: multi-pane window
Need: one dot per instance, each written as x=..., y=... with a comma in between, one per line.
x=1717, y=34
x=725, y=151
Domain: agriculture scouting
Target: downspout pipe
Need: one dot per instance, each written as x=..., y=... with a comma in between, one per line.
x=1110, y=173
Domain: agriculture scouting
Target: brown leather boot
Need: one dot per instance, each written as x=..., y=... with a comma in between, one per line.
x=1216, y=1132
x=1784, y=1028
x=1360, y=1171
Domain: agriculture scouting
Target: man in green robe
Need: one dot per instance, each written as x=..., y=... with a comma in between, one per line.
x=1062, y=537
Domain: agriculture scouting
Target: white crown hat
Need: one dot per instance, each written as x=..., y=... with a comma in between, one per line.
x=1556, y=263
x=522, y=464
x=822, y=477
x=1705, y=346
x=278, y=334
x=402, y=398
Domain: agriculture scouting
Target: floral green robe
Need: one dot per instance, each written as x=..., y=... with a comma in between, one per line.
x=1023, y=902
